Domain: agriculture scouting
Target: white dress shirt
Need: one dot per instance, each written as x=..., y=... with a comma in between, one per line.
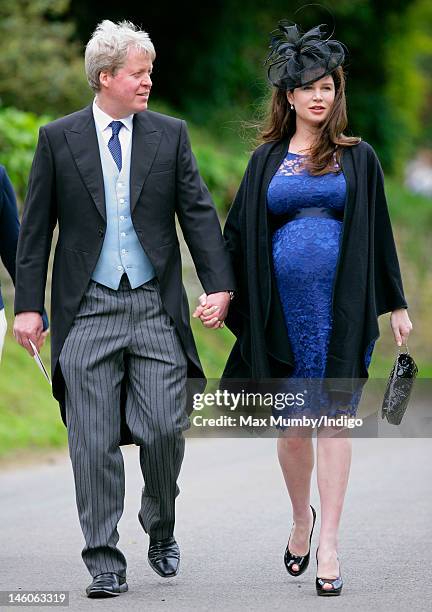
x=102, y=121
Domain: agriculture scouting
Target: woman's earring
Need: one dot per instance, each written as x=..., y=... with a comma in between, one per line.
x=292, y=106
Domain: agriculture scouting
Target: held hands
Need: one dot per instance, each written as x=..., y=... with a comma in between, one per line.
x=29, y=325
x=212, y=309
x=401, y=325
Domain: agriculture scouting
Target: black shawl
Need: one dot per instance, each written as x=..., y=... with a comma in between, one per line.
x=367, y=282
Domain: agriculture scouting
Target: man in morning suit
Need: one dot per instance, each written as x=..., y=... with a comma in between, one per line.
x=113, y=176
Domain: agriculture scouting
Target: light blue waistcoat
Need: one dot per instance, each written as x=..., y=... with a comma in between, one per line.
x=121, y=250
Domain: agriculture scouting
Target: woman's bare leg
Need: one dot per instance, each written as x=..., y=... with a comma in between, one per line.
x=296, y=458
x=333, y=467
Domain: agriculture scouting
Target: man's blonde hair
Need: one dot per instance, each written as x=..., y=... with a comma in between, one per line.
x=108, y=47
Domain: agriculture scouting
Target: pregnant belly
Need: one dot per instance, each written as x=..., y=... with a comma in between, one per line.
x=306, y=250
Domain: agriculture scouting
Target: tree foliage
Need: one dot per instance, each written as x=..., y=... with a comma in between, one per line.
x=210, y=59
x=18, y=139
x=41, y=65
x=209, y=63
x=408, y=90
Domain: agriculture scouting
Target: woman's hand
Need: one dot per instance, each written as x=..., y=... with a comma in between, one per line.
x=401, y=325
x=212, y=309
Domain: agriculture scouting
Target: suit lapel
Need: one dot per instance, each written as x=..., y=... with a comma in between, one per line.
x=145, y=144
x=83, y=143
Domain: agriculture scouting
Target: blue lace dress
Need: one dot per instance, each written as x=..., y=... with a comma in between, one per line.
x=305, y=254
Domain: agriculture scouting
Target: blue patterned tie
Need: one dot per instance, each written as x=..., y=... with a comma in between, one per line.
x=114, y=143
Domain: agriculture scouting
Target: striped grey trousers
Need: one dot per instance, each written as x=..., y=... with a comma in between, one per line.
x=116, y=335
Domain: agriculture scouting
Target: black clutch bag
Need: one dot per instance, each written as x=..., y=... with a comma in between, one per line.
x=399, y=387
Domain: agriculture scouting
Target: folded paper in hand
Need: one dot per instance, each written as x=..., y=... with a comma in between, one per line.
x=39, y=362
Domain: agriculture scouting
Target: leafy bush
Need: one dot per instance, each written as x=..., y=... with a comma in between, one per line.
x=41, y=65
x=221, y=172
x=18, y=138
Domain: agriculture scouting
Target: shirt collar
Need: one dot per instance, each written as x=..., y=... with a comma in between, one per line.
x=103, y=120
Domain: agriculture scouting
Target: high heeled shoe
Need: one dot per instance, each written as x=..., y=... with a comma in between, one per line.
x=337, y=583
x=301, y=561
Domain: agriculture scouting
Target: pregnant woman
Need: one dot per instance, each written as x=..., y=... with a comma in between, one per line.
x=315, y=260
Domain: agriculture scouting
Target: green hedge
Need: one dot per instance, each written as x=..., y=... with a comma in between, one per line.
x=18, y=138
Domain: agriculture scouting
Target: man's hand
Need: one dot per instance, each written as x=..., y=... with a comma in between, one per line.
x=29, y=325
x=401, y=325
x=213, y=309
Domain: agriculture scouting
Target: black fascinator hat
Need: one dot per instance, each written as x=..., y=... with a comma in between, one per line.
x=298, y=58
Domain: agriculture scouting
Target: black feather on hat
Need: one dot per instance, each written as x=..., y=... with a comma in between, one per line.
x=298, y=58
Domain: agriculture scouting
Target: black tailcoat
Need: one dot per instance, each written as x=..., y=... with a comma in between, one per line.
x=66, y=187
x=367, y=283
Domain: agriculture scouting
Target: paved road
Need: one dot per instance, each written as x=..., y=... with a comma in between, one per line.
x=233, y=521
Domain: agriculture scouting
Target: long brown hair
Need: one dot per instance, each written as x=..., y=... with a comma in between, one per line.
x=280, y=123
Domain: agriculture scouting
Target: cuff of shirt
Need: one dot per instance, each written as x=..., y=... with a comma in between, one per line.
x=45, y=321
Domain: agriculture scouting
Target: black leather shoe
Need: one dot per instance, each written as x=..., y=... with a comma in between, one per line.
x=164, y=557
x=301, y=561
x=337, y=583
x=106, y=585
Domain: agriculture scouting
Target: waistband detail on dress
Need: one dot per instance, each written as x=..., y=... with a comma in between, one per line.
x=311, y=211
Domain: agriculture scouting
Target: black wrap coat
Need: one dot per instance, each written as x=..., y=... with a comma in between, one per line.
x=367, y=282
